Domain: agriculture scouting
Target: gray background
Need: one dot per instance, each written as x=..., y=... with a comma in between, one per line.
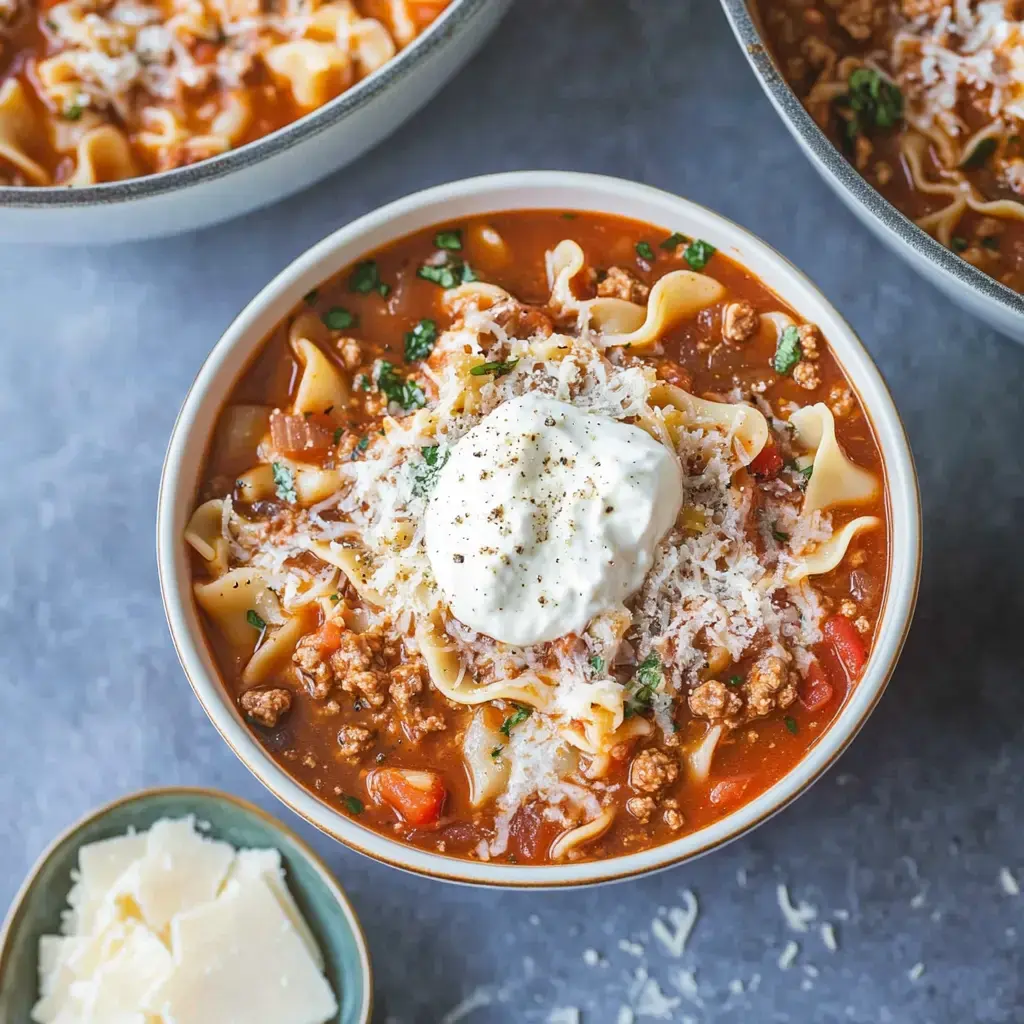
x=905, y=840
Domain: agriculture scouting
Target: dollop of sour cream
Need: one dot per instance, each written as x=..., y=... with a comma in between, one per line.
x=544, y=515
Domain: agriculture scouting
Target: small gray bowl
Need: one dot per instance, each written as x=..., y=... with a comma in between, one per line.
x=37, y=906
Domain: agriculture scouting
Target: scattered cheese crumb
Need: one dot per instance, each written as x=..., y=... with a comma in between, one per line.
x=632, y=948
x=741, y=878
x=682, y=920
x=625, y=1016
x=564, y=1015
x=1009, y=884
x=797, y=917
x=828, y=936
x=591, y=957
x=915, y=972
x=534, y=919
x=788, y=955
x=648, y=999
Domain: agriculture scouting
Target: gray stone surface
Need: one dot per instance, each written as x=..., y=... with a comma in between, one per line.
x=901, y=847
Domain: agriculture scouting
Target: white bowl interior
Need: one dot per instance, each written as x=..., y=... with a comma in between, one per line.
x=526, y=190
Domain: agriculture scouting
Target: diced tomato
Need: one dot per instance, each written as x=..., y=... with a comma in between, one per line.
x=815, y=691
x=417, y=796
x=729, y=792
x=328, y=636
x=767, y=463
x=848, y=644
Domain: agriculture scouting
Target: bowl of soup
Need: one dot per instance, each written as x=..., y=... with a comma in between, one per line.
x=910, y=112
x=538, y=529
x=122, y=121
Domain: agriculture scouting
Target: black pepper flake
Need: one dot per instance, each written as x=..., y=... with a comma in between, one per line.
x=459, y=559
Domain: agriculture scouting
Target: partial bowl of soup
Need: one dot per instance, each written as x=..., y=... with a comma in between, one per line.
x=910, y=112
x=538, y=529
x=122, y=120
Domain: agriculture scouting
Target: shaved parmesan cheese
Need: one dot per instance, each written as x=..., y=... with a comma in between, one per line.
x=240, y=958
x=137, y=956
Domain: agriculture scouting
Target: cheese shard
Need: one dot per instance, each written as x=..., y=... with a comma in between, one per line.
x=240, y=960
x=180, y=870
x=266, y=864
x=123, y=983
x=100, y=864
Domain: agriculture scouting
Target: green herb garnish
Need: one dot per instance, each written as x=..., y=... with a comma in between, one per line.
x=448, y=275
x=874, y=101
x=791, y=724
x=450, y=240
x=698, y=252
x=597, y=663
x=734, y=681
x=255, y=621
x=72, y=112
x=990, y=242
x=978, y=156
x=284, y=482
x=335, y=598
x=788, y=351
x=419, y=342
x=311, y=296
x=363, y=382
x=338, y=431
x=673, y=241
x=361, y=445
x=424, y=476
x=498, y=369
x=521, y=714
x=958, y=243
x=365, y=278
x=337, y=318
x=644, y=250
x=401, y=390
x=496, y=752
x=353, y=804
x=568, y=215
x=779, y=536
x=643, y=685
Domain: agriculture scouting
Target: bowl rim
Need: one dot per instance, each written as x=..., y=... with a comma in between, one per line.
x=8, y=929
x=455, y=18
x=530, y=190
x=834, y=166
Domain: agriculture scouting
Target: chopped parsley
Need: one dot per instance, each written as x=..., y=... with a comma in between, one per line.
x=424, y=475
x=284, y=482
x=311, y=296
x=597, y=663
x=450, y=240
x=419, y=342
x=363, y=382
x=335, y=598
x=496, y=752
x=337, y=318
x=791, y=724
x=448, y=275
x=698, y=252
x=873, y=100
x=779, y=535
x=569, y=215
x=499, y=369
x=255, y=620
x=958, y=243
x=72, y=112
x=365, y=278
x=353, y=804
x=990, y=242
x=521, y=714
x=803, y=474
x=338, y=431
x=734, y=681
x=644, y=250
x=673, y=241
x=643, y=685
x=361, y=445
x=788, y=351
x=400, y=390
x=978, y=156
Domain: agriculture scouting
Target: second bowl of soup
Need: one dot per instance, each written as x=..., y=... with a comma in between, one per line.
x=538, y=529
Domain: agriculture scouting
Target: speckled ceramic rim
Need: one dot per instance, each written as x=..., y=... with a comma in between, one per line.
x=8, y=932
x=451, y=22
x=834, y=166
x=474, y=197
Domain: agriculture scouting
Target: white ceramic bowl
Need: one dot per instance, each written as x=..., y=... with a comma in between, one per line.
x=965, y=284
x=263, y=171
x=447, y=203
